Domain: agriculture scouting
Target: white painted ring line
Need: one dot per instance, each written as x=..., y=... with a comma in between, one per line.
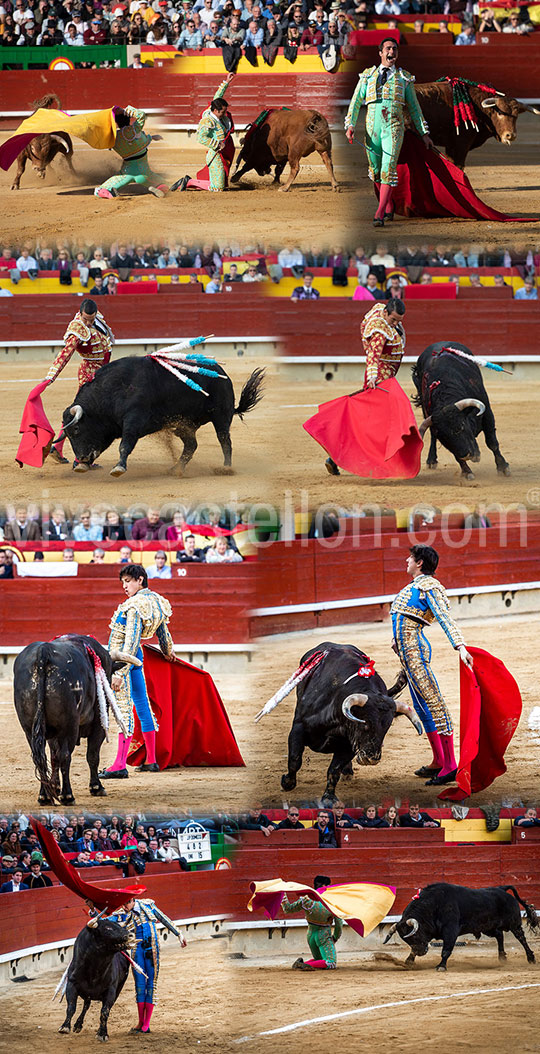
x=382, y=1006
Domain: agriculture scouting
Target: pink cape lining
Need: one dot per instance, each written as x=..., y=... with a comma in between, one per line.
x=270, y=903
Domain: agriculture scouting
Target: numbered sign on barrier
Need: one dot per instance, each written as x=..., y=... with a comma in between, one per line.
x=194, y=843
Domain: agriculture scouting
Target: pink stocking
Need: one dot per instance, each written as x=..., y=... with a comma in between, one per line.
x=317, y=964
x=150, y=744
x=436, y=746
x=120, y=760
x=148, y=1008
x=140, y=1008
x=385, y=200
x=449, y=763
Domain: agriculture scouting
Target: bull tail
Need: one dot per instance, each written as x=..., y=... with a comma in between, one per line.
x=47, y=102
x=38, y=743
x=317, y=125
x=251, y=393
x=530, y=913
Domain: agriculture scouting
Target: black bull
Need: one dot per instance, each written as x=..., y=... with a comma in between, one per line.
x=445, y=912
x=57, y=704
x=97, y=972
x=134, y=397
x=346, y=720
x=455, y=405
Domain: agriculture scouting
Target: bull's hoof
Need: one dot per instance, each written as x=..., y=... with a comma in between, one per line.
x=432, y=464
x=45, y=800
x=468, y=476
x=64, y=1028
x=225, y=470
x=328, y=800
x=502, y=956
x=442, y=967
x=67, y=799
x=77, y=1028
x=288, y=783
x=283, y=190
x=79, y=467
x=98, y=791
x=104, y=1039
x=176, y=470
x=118, y=470
x=530, y=958
x=336, y=188
x=504, y=471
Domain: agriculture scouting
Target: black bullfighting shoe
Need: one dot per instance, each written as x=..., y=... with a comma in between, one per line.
x=439, y=781
x=426, y=773
x=152, y=767
x=117, y=774
x=180, y=184
x=299, y=964
x=331, y=467
x=57, y=456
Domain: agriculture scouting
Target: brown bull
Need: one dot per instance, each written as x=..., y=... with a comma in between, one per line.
x=495, y=115
x=281, y=136
x=42, y=149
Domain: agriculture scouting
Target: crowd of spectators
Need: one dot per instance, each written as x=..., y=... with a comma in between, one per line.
x=242, y=27
x=374, y=272
x=379, y=274
x=330, y=820
x=213, y=543
x=99, y=269
x=126, y=843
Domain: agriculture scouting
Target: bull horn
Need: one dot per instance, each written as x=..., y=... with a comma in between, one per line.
x=413, y=923
x=424, y=426
x=359, y=699
x=76, y=412
x=92, y=923
x=487, y=104
x=402, y=708
x=390, y=933
x=524, y=108
x=122, y=656
x=463, y=404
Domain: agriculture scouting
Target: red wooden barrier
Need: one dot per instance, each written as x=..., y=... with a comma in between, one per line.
x=43, y=916
x=331, y=328
x=181, y=97
x=406, y=868
x=280, y=839
x=44, y=318
x=525, y=834
x=368, y=565
x=31, y=609
x=382, y=839
x=499, y=61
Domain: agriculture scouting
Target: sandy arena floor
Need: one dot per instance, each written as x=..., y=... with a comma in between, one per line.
x=512, y=638
x=253, y=211
x=299, y=466
x=272, y=454
x=175, y=790
x=466, y=1008
x=149, y=478
x=505, y=178
x=182, y=1018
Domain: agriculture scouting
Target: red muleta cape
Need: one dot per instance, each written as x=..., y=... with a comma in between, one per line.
x=490, y=709
x=73, y=880
x=194, y=728
x=431, y=186
x=37, y=431
x=372, y=433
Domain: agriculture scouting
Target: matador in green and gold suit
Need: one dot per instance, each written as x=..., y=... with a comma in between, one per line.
x=387, y=92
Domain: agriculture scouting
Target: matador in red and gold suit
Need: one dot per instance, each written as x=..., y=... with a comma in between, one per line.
x=89, y=335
